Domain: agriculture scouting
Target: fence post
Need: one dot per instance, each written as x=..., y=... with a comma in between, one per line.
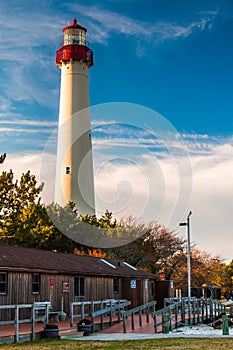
x=132, y=320
x=82, y=310
x=198, y=311
x=33, y=321
x=101, y=316
x=225, y=325
x=176, y=315
x=206, y=309
x=211, y=310
x=155, y=322
x=71, y=315
x=231, y=311
x=183, y=312
x=16, y=323
x=47, y=313
x=140, y=317
x=165, y=324
x=119, y=312
x=147, y=314
x=124, y=323
x=193, y=320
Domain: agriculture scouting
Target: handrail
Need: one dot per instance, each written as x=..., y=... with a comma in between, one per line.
x=110, y=308
x=17, y=319
x=139, y=310
x=197, y=310
x=103, y=305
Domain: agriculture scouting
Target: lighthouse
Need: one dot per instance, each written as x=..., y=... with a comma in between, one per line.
x=74, y=165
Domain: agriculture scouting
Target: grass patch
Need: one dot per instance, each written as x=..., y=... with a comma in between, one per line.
x=151, y=344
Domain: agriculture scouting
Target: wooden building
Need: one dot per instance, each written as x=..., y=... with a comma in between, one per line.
x=33, y=275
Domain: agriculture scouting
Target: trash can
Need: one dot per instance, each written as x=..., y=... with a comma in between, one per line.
x=84, y=326
x=50, y=331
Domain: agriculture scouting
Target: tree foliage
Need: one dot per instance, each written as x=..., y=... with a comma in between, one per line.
x=25, y=221
x=156, y=250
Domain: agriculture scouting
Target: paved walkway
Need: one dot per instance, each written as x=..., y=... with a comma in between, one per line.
x=25, y=328
x=146, y=331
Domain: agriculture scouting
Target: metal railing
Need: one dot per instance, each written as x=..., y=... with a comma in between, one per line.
x=139, y=309
x=16, y=321
x=34, y=317
x=81, y=309
x=187, y=311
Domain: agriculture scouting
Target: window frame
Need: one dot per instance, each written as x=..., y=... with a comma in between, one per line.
x=116, y=285
x=4, y=283
x=152, y=288
x=79, y=286
x=36, y=283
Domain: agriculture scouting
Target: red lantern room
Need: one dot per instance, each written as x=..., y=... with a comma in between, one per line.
x=74, y=45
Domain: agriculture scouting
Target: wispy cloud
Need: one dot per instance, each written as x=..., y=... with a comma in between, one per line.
x=28, y=122
x=102, y=23
x=33, y=34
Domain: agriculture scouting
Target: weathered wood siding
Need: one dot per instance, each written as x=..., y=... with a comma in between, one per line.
x=19, y=290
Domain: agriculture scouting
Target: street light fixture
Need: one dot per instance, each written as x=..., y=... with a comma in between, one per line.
x=187, y=223
x=2, y=158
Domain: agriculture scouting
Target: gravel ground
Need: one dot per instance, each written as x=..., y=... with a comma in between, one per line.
x=201, y=331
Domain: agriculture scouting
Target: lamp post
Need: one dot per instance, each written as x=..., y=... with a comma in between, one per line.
x=187, y=223
x=2, y=158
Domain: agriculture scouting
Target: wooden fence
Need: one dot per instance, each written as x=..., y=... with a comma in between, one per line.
x=39, y=311
x=187, y=311
x=17, y=320
x=146, y=308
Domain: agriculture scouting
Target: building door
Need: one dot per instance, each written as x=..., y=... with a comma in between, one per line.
x=132, y=290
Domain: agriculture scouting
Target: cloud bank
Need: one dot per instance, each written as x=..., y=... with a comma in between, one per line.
x=127, y=185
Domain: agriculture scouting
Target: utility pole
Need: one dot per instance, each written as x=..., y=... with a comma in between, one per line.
x=187, y=223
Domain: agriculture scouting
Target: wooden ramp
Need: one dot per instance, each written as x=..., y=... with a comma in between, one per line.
x=145, y=328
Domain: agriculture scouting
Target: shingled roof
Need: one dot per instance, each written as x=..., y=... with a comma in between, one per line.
x=15, y=258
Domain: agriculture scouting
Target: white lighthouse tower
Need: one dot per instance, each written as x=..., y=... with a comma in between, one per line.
x=74, y=167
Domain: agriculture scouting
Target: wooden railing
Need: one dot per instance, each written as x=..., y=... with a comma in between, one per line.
x=187, y=311
x=111, y=310
x=34, y=316
x=92, y=309
x=16, y=321
x=139, y=309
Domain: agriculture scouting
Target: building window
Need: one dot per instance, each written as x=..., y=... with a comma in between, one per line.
x=79, y=286
x=3, y=282
x=152, y=288
x=35, y=283
x=68, y=170
x=115, y=285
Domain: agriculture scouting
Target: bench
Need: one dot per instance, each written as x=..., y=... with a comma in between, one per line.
x=42, y=310
x=54, y=316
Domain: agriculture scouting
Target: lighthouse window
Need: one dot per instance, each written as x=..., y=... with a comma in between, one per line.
x=78, y=39
x=82, y=37
x=68, y=170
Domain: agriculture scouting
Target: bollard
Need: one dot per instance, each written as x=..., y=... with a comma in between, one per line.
x=165, y=325
x=225, y=325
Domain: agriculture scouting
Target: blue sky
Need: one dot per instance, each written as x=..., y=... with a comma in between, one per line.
x=171, y=56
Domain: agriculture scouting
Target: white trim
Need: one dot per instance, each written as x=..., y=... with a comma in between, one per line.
x=107, y=263
x=130, y=266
